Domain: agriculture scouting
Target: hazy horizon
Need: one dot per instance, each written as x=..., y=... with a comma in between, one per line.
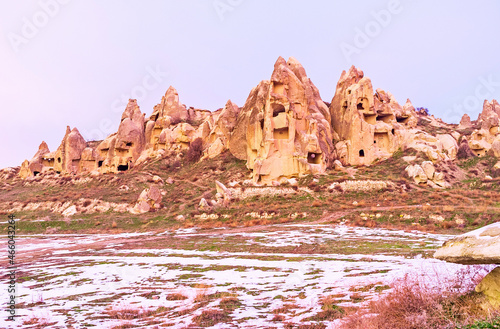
x=76, y=63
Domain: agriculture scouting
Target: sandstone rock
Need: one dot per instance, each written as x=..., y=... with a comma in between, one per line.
x=157, y=179
x=37, y=163
x=465, y=122
x=67, y=157
x=149, y=200
x=25, y=171
x=489, y=120
x=495, y=148
x=449, y=145
x=284, y=128
x=417, y=173
x=337, y=165
x=429, y=169
x=203, y=205
x=220, y=135
x=122, y=150
x=490, y=287
x=70, y=211
x=367, y=124
x=481, y=246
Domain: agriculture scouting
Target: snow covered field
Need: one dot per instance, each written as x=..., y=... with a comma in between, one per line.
x=150, y=280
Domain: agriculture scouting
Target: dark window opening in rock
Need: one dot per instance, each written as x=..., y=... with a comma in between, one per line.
x=360, y=106
x=277, y=109
x=129, y=144
x=281, y=133
x=122, y=168
x=99, y=164
x=262, y=124
x=361, y=153
x=344, y=107
x=349, y=92
x=314, y=158
x=402, y=119
x=392, y=131
x=36, y=173
x=58, y=172
x=374, y=142
x=59, y=160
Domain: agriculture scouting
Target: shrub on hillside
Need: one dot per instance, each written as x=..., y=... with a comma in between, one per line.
x=412, y=303
x=195, y=150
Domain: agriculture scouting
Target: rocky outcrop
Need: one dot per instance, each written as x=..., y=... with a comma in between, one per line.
x=39, y=161
x=489, y=120
x=283, y=131
x=225, y=122
x=426, y=174
x=149, y=200
x=368, y=126
x=120, y=151
x=465, y=122
x=480, y=246
x=68, y=155
x=490, y=287
x=284, y=128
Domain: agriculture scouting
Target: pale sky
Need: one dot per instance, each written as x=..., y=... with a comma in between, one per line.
x=76, y=62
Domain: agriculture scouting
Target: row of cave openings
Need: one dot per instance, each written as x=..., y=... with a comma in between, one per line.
x=372, y=118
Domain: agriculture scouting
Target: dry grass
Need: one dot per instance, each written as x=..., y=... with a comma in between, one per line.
x=415, y=304
x=210, y=317
x=176, y=296
x=128, y=312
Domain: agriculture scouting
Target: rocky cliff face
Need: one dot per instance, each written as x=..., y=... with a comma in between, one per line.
x=369, y=126
x=487, y=137
x=284, y=130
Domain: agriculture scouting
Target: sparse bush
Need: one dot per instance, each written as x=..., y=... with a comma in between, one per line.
x=415, y=304
x=211, y=317
x=195, y=150
x=176, y=296
x=422, y=110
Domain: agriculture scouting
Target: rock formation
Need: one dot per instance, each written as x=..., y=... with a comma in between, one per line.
x=481, y=246
x=120, y=151
x=483, y=138
x=368, y=126
x=149, y=200
x=68, y=155
x=283, y=131
x=284, y=128
x=219, y=137
x=39, y=160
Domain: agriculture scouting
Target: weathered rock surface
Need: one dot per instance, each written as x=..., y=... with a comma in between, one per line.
x=284, y=128
x=368, y=126
x=283, y=131
x=219, y=137
x=119, y=151
x=490, y=287
x=489, y=120
x=480, y=246
x=149, y=200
